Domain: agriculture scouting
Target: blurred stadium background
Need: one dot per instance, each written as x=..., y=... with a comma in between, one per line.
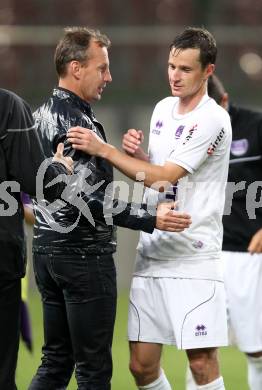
x=141, y=31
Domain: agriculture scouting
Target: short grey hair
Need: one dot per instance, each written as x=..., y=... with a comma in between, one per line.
x=74, y=45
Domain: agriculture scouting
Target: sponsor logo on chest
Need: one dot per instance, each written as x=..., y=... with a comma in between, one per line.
x=158, y=126
x=190, y=134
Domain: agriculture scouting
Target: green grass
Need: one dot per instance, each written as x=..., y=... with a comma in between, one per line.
x=174, y=362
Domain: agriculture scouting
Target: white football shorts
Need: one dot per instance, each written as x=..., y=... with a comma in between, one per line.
x=188, y=313
x=243, y=285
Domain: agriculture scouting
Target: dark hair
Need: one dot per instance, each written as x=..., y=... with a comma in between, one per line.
x=74, y=45
x=215, y=88
x=197, y=38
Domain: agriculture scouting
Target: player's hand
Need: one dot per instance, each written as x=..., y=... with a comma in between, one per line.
x=255, y=245
x=171, y=220
x=66, y=161
x=131, y=142
x=85, y=140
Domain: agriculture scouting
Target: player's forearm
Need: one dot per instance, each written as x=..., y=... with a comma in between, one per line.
x=131, y=167
x=140, y=155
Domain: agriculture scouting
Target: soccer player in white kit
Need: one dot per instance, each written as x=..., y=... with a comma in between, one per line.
x=177, y=293
x=242, y=241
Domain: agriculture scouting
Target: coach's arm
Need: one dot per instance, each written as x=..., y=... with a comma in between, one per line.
x=155, y=176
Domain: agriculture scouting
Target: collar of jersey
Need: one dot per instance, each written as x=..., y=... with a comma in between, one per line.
x=175, y=115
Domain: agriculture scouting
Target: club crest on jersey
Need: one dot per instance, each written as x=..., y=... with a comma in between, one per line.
x=157, y=128
x=200, y=330
x=190, y=134
x=215, y=144
x=179, y=131
x=239, y=147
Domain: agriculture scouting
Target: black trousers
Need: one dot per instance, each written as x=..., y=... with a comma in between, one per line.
x=79, y=306
x=10, y=306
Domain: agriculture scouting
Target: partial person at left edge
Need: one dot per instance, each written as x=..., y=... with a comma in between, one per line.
x=21, y=155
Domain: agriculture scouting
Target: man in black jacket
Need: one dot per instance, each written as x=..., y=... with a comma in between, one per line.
x=20, y=157
x=74, y=242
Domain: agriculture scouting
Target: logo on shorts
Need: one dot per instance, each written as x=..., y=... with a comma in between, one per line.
x=200, y=330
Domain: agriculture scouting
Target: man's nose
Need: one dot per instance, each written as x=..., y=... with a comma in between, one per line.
x=176, y=74
x=108, y=77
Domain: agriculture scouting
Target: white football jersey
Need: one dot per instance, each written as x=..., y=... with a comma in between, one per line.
x=198, y=141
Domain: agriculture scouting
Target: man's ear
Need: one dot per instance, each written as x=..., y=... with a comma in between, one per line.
x=209, y=70
x=74, y=69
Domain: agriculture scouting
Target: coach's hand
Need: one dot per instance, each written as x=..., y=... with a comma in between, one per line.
x=171, y=220
x=87, y=141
